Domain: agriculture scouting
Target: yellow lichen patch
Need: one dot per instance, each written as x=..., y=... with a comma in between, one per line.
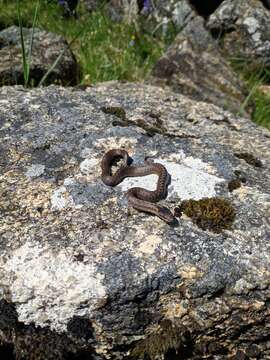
x=34, y=198
x=149, y=245
x=214, y=214
x=176, y=310
x=242, y=192
x=189, y=272
x=16, y=157
x=108, y=143
x=245, y=304
x=19, y=196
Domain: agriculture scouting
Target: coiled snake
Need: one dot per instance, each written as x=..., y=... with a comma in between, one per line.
x=139, y=198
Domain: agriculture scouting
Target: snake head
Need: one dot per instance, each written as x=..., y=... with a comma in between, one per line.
x=166, y=215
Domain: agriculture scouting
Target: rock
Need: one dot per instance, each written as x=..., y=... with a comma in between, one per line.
x=90, y=5
x=46, y=49
x=194, y=66
x=168, y=15
x=83, y=276
x=244, y=30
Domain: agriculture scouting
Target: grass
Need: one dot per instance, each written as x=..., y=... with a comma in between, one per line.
x=257, y=99
x=105, y=50
x=26, y=57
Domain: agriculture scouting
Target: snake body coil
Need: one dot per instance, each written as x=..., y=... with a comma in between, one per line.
x=141, y=199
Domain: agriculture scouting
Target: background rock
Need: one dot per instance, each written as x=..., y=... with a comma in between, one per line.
x=46, y=48
x=244, y=30
x=90, y=5
x=194, y=66
x=80, y=274
x=160, y=16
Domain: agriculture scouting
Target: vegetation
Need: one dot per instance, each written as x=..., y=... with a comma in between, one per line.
x=257, y=98
x=107, y=50
x=213, y=214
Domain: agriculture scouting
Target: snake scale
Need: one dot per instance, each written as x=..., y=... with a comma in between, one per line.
x=139, y=198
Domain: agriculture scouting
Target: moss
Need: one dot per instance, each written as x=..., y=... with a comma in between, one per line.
x=240, y=176
x=234, y=184
x=158, y=343
x=249, y=159
x=151, y=129
x=115, y=110
x=214, y=214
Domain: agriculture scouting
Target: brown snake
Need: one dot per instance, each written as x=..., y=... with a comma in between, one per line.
x=141, y=199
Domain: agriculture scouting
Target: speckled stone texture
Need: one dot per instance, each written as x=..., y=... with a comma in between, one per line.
x=81, y=274
x=243, y=28
x=194, y=66
x=46, y=49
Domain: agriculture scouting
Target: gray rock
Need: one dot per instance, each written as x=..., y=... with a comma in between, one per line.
x=46, y=49
x=161, y=15
x=90, y=5
x=82, y=274
x=244, y=30
x=194, y=66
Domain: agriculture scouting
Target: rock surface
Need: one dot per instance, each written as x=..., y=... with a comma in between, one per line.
x=81, y=274
x=90, y=5
x=194, y=66
x=46, y=49
x=160, y=15
x=244, y=30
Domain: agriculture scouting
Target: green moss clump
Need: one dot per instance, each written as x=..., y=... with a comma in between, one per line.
x=158, y=343
x=249, y=158
x=234, y=184
x=115, y=110
x=214, y=214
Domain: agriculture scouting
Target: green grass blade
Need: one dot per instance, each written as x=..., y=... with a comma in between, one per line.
x=25, y=65
x=32, y=40
x=59, y=58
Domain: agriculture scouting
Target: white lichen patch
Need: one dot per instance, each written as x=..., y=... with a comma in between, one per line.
x=89, y=166
x=189, y=179
x=252, y=24
x=150, y=244
x=35, y=170
x=61, y=199
x=48, y=287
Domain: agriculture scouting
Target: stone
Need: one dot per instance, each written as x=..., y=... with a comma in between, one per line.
x=90, y=5
x=160, y=16
x=243, y=28
x=82, y=275
x=46, y=49
x=193, y=65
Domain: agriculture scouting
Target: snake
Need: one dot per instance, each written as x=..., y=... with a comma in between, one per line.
x=139, y=198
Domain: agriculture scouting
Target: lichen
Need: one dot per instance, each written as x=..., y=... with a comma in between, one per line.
x=249, y=159
x=214, y=214
x=159, y=342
